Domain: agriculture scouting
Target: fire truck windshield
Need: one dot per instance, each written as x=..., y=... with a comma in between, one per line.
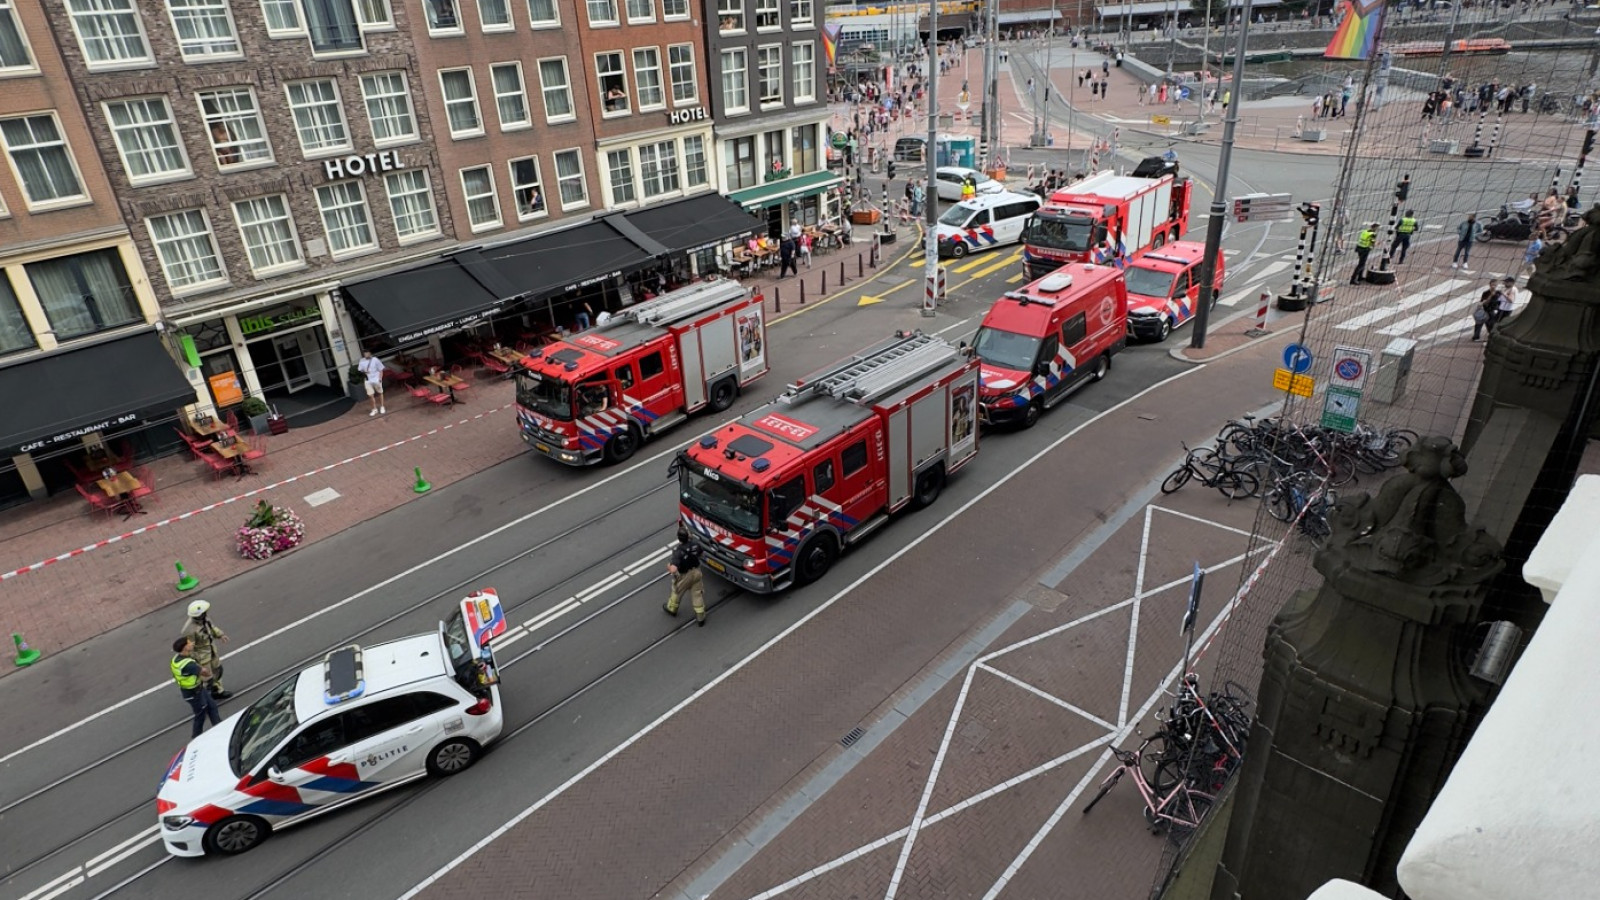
x=1006, y=349
x=1149, y=282
x=722, y=500
x=1057, y=233
x=544, y=396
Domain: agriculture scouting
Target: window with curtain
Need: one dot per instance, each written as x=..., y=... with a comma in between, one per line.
x=318, y=116
x=442, y=15
x=334, y=25
x=527, y=188
x=619, y=174
x=344, y=217
x=84, y=293
x=494, y=15
x=374, y=13
x=204, y=28
x=233, y=123
x=483, y=208
x=268, y=233
x=184, y=244
x=40, y=155
x=411, y=203
x=543, y=13
x=282, y=16
x=109, y=31
x=569, y=179
x=803, y=148
x=147, y=139
x=461, y=102
x=557, y=91
x=647, y=77
x=685, y=88
x=735, y=82
x=510, y=101
x=388, y=107
x=14, y=55
x=15, y=334
x=804, y=71
x=695, y=173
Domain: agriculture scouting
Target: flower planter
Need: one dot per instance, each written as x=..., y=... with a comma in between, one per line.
x=270, y=530
x=865, y=216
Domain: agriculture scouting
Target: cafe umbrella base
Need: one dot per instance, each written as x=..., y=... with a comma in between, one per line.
x=271, y=529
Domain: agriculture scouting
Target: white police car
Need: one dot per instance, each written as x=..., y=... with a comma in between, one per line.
x=363, y=721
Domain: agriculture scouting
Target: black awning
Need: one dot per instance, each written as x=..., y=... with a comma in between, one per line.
x=684, y=226
x=111, y=387
x=566, y=260
x=415, y=303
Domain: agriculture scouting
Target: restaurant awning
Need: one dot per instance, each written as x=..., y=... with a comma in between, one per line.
x=1026, y=15
x=1173, y=7
x=788, y=189
x=434, y=298
x=115, y=386
x=565, y=260
x=696, y=223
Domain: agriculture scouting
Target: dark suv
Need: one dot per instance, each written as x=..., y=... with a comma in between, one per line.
x=910, y=149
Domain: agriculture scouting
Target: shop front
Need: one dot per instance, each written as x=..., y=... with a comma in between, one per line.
x=811, y=199
x=777, y=169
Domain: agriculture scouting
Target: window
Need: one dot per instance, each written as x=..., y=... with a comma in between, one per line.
x=641, y=10
x=388, y=107
x=318, y=117
x=769, y=62
x=680, y=60
x=527, y=188
x=556, y=89
x=483, y=207
x=569, y=179
x=658, y=168
x=619, y=174
x=651, y=366
x=147, y=139
x=411, y=204
x=647, y=77
x=772, y=151
x=317, y=739
x=204, y=28
x=14, y=55
x=674, y=9
x=84, y=293
x=613, y=81
x=494, y=15
x=602, y=12
x=268, y=233
x=336, y=25
x=735, y=83
x=803, y=149
x=800, y=12
x=767, y=15
x=282, y=17
x=234, y=126
x=695, y=173
x=853, y=459
x=345, y=217
x=509, y=99
x=442, y=16
x=14, y=331
x=822, y=476
x=374, y=14
x=785, y=499
x=805, y=71
x=366, y=722
x=461, y=103
x=110, y=32
x=741, y=164
x=543, y=13
x=187, y=251
x=41, y=160
x=1074, y=330
x=624, y=376
x=730, y=16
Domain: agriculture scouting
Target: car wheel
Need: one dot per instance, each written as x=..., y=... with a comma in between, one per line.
x=622, y=446
x=1158, y=240
x=452, y=756
x=816, y=556
x=1030, y=416
x=722, y=394
x=1102, y=365
x=929, y=484
x=235, y=835
x=1166, y=329
x=958, y=249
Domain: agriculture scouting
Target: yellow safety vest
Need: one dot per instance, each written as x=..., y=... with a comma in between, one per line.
x=1366, y=239
x=185, y=682
x=1408, y=225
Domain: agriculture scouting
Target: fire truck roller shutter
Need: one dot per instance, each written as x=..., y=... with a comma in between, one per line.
x=719, y=346
x=694, y=379
x=899, y=442
x=929, y=431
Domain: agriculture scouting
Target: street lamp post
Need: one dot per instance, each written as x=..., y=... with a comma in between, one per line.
x=931, y=155
x=1219, y=209
x=1041, y=115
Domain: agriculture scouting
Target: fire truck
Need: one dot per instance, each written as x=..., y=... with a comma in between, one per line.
x=773, y=498
x=1132, y=211
x=597, y=395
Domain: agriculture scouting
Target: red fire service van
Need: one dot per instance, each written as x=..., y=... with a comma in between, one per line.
x=597, y=395
x=773, y=498
x=1040, y=343
x=1164, y=288
x=1138, y=212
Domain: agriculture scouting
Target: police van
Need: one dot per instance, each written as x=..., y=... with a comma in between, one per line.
x=984, y=221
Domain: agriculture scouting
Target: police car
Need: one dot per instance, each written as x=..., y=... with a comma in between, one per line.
x=362, y=721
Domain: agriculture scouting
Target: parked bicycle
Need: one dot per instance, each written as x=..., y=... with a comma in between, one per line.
x=1213, y=471
x=1177, y=811
x=1301, y=496
x=1199, y=740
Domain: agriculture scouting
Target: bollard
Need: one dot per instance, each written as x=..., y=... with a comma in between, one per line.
x=841, y=274
x=421, y=487
x=777, y=296
x=777, y=303
x=860, y=266
x=802, y=292
x=824, y=291
x=186, y=582
x=26, y=656
x=1261, y=316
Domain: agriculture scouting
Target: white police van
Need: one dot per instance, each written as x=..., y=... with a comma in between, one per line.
x=985, y=221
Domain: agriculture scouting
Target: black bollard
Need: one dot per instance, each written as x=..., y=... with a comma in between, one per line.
x=777, y=299
x=824, y=291
x=860, y=266
x=802, y=292
x=841, y=273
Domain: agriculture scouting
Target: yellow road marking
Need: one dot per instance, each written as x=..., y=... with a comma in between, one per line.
x=994, y=268
x=967, y=266
x=1014, y=279
x=883, y=269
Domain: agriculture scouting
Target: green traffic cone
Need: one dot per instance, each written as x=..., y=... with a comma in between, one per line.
x=26, y=656
x=186, y=582
x=422, y=487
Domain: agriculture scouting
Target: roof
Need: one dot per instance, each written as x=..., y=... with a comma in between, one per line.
x=385, y=667
x=1029, y=309
x=1027, y=15
x=1175, y=256
x=696, y=223
x=1151, y=7
x=431, y=299
x=793, y=187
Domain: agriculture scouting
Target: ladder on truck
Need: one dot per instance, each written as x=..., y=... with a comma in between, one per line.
x=683, y=303
x=876, y=371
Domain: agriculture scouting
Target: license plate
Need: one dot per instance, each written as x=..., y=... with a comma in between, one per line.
x=541, y=448
x=716, y=566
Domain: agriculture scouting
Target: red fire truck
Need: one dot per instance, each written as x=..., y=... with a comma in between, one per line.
x=1136, y=212
x=773, y=498
x=597, y=395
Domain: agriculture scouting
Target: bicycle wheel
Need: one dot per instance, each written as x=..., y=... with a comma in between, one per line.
x=1105, y=787
x=1315, y=526
x=1280, y=502
x=1162, y=763
x=1238, y=485
x=1177, y=479
x=1192, y=807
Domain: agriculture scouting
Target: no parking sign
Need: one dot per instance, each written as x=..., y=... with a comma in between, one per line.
x=1350, y=368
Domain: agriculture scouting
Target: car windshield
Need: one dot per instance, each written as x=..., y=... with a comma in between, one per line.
x=1006, y=349
x=1149, y=282
x=263, y=726
x=1059, y=234
x=724, y=501
x=544, y=396
x=956, y=216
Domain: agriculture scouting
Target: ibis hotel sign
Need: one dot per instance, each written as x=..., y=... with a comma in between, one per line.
x=341, y=167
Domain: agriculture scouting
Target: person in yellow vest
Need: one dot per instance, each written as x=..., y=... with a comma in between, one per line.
x=969, y=188
x=191, y=679
x=1364, y=242
x=1402, y=234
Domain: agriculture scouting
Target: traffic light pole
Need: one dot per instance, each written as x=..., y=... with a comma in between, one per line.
x=932, y=293
x=1219, y=209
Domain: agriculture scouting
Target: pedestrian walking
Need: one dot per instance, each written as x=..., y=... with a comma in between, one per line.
x=1152, y=93
x=1364, y=242
x=684, y=569
x=1402, y=234
x=1466, y=233
x=190, y=677
x=918, y=196
x=1484, y=312
x=1530, y=255
x=205, y=636
x=786, y=256
x=1506, y=301
x=372, y=367
x=1341, y=226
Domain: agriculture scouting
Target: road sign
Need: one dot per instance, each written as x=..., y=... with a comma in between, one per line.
x=1340, y=408
x=1263, y=207
x=1193, y=611
x=1351, y=366
x=1299, y=385
x=1160, y=120
x=1297, y=359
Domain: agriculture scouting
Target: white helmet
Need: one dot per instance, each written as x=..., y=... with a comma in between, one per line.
x=198, y=609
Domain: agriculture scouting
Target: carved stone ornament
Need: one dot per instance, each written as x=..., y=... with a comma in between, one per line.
x=1578, y=257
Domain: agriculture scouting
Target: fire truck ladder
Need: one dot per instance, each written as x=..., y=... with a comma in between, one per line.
x=684, y=303
x=877, y=371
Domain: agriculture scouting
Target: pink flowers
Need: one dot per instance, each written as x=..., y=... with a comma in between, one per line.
x=279, y=529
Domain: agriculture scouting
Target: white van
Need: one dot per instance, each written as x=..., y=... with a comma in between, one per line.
x=987, y=220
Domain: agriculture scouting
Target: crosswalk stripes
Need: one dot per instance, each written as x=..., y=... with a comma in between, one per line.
x=1412, y=302
x=1457, y=306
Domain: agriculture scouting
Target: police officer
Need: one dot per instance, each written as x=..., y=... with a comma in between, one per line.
x=685, y=570
x=1364, y=242
x=1402, y=234
x=191, y=679
x=205, y=634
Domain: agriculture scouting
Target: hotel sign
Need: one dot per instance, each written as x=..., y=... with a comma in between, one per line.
x=362, y=164
x=684, y=116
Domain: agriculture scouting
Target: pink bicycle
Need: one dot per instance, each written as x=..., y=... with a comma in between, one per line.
x=1177, y=812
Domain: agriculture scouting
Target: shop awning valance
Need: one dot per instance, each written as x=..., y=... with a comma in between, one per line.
x=111, y=387
x=431, y=299
x=565, y=260
x=792, y=188
x=696, y=223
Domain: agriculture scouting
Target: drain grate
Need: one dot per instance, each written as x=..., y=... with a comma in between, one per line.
x=854, y=735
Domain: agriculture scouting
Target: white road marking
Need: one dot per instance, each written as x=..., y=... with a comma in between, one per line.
x=94, y=864
x=1048, y=697
x=1452, y=307
x=953, y=325
x=1412, y=302
x=552, y=614
x=637, y=567
x=601, y=586
x=58, y=885
x=94, y=870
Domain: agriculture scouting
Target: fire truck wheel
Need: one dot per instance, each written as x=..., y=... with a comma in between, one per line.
x=1158, y=240
x=958, y=249
x=814, y=559
x=622, y=446
x=929, y=484
x=1166, y=329
x=1030, y=416
x=722, y=394
x=1101, y=367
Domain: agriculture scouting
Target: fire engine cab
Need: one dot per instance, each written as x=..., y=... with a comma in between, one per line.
x=1046, y=340
x=772, y=499
x=1164, y=288
x=596, y=396
x=1129, y=214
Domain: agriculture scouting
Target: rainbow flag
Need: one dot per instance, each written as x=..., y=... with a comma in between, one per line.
x=830, y=42
x=1357, y=34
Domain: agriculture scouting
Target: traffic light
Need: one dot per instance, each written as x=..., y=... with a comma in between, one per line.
x=1310, y=212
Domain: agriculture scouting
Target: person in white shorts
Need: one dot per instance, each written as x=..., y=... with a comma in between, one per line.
x=372, y=367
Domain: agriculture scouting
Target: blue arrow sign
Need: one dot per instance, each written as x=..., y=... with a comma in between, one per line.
x=1297, y=359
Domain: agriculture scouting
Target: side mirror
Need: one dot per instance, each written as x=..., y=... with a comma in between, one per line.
x=1041, y=368
x=674, y=467
x=274, y=775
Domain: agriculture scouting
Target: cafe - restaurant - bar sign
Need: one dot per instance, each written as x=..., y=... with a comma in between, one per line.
x=272, y=321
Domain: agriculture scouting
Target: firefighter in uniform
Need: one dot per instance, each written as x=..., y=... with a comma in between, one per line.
x=191, y=678
x=1402, y=234
x=1364, y=242
x=685, y=570
x=205, y=634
